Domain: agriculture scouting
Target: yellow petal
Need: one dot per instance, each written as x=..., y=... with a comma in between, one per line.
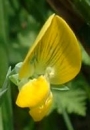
x=27, y=68
x=55, y=47
x=33, y=92
x=39, y=112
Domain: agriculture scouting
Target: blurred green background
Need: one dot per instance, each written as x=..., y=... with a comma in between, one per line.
x=20, y=22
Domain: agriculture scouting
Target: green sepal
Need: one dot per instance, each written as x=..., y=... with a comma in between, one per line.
x=14, y=79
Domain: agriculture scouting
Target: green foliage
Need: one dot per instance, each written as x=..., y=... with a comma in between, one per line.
x=3, y=65
x=73, y=101
x=37, y=7
x=5, y=86
x=83, y=7
x=85, y=57
x=5, y=105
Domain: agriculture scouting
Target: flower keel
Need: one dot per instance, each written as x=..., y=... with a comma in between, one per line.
x=42, y=110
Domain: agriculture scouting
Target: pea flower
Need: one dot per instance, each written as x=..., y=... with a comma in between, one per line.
x=54, y=58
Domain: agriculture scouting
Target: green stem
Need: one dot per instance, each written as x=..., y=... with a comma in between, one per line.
x=6, y=120
x=67, y=120
x=3, y=22
x=6, y=114
x=1, y=121
x=6, y=109
x=30, y=126
x=4, y=25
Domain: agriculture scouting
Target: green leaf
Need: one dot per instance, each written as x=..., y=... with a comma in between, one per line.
x=73, y=101
x=60, y=87
x=3, y=64
x=3, y=23
x=85, y=57
x=2, y=92
x=6, y=106
x=5, y=85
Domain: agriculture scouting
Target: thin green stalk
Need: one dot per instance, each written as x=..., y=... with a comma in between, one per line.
x=4, y=25
x=30, y=126
x=6, y=110
x=6, y=106
x=6, y=115
x=1, y=121
x=6, y=118
x=67, y=120
x=3, y=22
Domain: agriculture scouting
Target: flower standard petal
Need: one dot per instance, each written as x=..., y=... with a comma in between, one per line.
x=67, y=58
x=33, y=93
x=55, y=47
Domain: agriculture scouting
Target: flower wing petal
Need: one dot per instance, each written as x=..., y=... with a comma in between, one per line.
x=33, y=92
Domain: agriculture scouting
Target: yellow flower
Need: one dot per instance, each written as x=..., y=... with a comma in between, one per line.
x=55, y=58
